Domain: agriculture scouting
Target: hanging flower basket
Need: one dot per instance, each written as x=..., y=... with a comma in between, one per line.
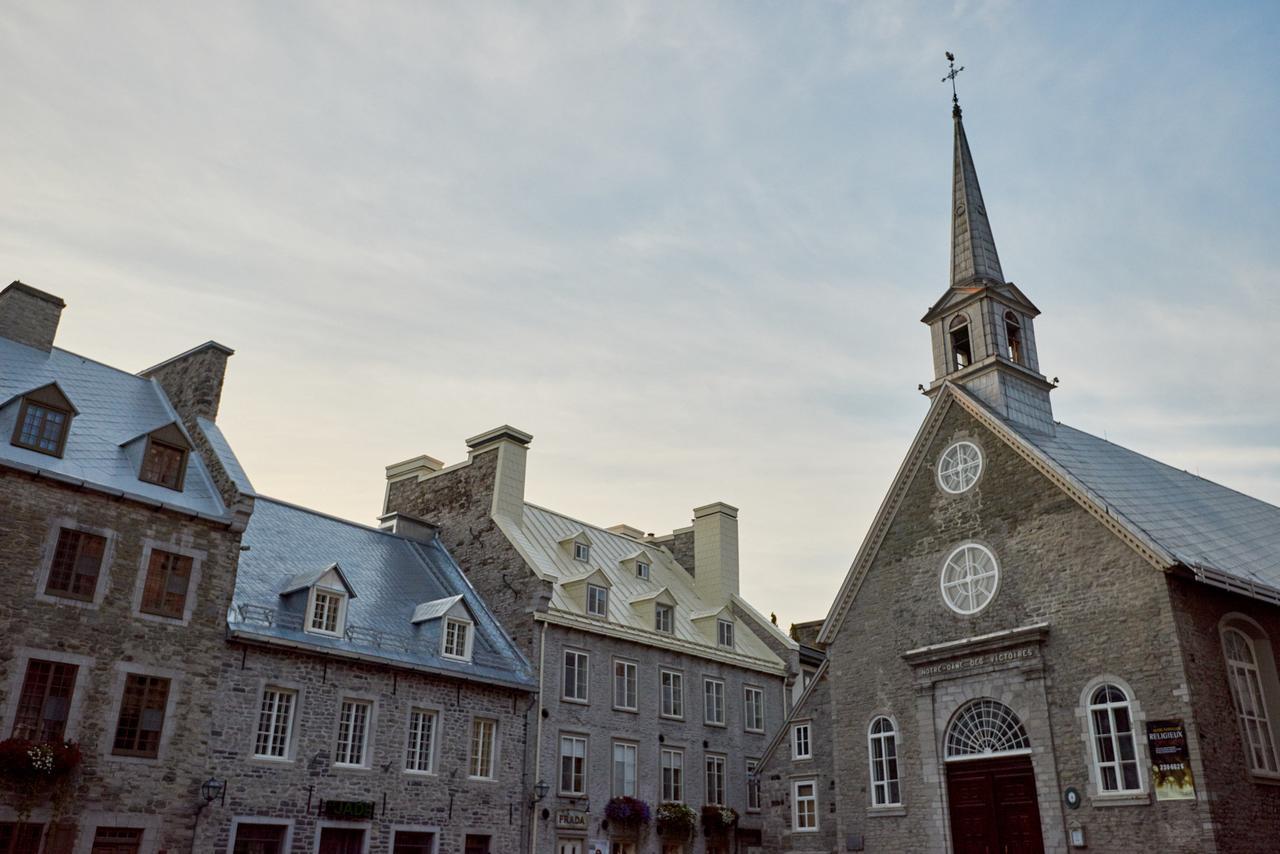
x=676, y=820
x=32, y=764
x=627, y=814
x=718, y=821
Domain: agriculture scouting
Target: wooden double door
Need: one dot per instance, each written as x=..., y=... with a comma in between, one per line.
x=993, y=806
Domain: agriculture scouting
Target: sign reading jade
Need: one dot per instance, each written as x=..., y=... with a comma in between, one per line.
x=350, y=810
x=1170, y=761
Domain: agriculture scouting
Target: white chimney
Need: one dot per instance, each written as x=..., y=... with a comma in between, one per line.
x=512, y=448
x=715, y=552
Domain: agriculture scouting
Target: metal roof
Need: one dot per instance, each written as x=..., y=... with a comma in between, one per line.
x=391, y=576
x=113, y=407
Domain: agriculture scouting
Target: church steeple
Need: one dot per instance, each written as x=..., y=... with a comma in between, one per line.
x=982, y=327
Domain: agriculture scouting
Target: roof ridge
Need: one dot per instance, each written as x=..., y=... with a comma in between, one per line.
x=332, y=517
x=578, y=521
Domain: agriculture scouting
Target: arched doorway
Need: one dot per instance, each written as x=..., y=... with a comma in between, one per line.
x=991, y=787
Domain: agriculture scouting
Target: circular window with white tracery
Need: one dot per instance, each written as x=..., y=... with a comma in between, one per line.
x=959, y=467
x=969, y=579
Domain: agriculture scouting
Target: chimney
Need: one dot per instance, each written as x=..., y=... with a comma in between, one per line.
x=193, y=380
x=715, y=552
x=409, y=527
x=512, y=447
x=627, y=531
x=29, y=316
x=419, y=466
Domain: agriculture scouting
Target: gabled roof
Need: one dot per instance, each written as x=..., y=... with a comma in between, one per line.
x=708, y=613
x=578, y=536
x=437, y=608
x=662, y=595
x=1170, y=517
x=596, y=576
x=395, y=575
x=308, y=579
x=799, y=712
x=51, y=393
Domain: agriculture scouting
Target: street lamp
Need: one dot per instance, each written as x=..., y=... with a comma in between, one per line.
x=213, y=789
x=539, y=792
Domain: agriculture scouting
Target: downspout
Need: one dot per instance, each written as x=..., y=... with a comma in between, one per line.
x=537, y=749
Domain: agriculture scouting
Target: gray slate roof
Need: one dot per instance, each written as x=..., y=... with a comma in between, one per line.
x=113, y=407
x=391, y=576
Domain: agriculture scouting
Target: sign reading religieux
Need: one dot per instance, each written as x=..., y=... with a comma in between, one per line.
x=1170, y=761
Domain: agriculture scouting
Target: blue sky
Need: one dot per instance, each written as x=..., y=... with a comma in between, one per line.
x=686, y=245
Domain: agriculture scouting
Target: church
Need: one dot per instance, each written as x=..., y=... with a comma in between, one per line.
x=1046, y=642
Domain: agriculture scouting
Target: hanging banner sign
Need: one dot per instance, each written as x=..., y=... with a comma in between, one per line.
x=1170, y=761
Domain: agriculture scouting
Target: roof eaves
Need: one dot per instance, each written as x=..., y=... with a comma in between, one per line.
x=785, y=727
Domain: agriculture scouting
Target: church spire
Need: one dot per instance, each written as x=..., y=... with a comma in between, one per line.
x=973, y=247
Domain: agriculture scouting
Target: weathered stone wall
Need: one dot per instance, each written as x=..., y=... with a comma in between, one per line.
x=193, y=381
x=780, y=771
x=445, y=800
x=29, y=316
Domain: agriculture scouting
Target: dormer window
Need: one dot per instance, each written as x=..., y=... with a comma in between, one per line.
x=724, y=633
x=1013, y=333
x=597, y=600
x=582, y=551
x=961, y=352
x=664, y=618
x=326, y=612
x=457, y=639
x=43, y=421
x=163, y=464
x=642, y=570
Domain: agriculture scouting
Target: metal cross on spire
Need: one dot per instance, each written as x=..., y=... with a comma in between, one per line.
x=951, y=75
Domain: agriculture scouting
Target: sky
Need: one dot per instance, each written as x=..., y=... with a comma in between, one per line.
x=685, y=245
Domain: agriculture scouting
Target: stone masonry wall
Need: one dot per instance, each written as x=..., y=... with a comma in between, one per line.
x=780, y=771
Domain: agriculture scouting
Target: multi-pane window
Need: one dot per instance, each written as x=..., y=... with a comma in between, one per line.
x=422, y=733
x=624, y=685
x=664, y=619
x=326, y=611
x=575, y=675
x=672, y=684
x=753, y=784
x=117, y=840
x=672, y=775
x=624, y=769
x=163, y=464
x=353, y=733
x=142, y=710
x=882, y=746
x=713, y=701
x=457, y=639
x=1250, y=701
x=715, y=779
x=800, y=748
x=753, y=709
x=77, y=563
x=414, y=842
x=642, y=569
x=41, y=428
x=44, y=701
x=164, y=593
x=597, y=600
x=259, y=839
x=1115, y=755
x=484, y=733
x=804, y=805
x=275, y=723
x=724, y=632
x=573, y=765
x=582, y=552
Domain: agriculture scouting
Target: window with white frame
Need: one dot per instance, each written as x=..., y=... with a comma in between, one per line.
x=422, y=734
x=275, y=723
x=581, y=551
x=969, y=579
x=753, y=785
x=724, y=633
x=753, y=708
x=597, y=600
x=353, y=733
x=457, y=638
x=575, y=676
x=625, y=684
x=624, y=769
x=800, y=747
x=484, y=734
x=672, y=774
x=715, y=766
x=664, y=619
x=804, y=806
x=327, y=608
x=1250, y=701
x=642, y=569
x=713, y=702
x=573, y=765
x=882, y=751
x=1115, y=755
x=672, y=683
x=959, y=467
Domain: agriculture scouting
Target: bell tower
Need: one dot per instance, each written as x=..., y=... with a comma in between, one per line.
x=983, y=327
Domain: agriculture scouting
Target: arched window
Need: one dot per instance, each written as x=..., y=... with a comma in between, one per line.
x=1115, y=757
x=1250, y=700
x=882, y=747
x=961, y=351
x=985, y=728
x=1013, y=333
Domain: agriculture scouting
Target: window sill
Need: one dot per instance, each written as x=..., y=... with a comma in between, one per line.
x=888, y=811
x=575, y=701
x=714, y=724
x=272, y=760
x=808, y=758
x=481, y=779
x=351, y=769
x=55, y=599
x=1121, y=799
x=1262, y=778
x=627, y=710
x=671, y=717
x=412, y=773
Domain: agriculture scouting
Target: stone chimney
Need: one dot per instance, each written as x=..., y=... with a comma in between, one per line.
x=29, y=316
x=409, y=527
x=512, y=447
x=193, y=380
x=715, y=552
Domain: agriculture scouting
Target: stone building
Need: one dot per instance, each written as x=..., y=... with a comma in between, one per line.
x=120, y=525
x=1046, y=641
x=656, y=680
x=368, y=701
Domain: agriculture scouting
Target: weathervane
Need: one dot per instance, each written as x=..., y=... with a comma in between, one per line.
x=951, y=75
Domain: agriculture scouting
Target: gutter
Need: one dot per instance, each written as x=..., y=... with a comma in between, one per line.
x=537, y=750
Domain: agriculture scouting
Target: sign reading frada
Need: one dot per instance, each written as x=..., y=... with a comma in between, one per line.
x=1170, y=762
x=1004, y=656
x=571, y=820
x=350, y=810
